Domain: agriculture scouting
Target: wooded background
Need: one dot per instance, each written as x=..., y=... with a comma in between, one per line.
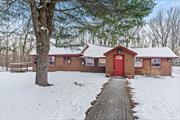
x=17, y=38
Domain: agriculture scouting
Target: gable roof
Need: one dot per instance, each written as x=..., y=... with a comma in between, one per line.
x=95, y=51
x=165, y=52
x=121, y=47
x=62, y=51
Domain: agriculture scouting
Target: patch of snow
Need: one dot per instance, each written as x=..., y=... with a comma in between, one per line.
x=61, y=51
x=40, y=7
x=3, y=69
x=157, y=98
x=21, y=99
x=154, y=52
x=96, y=51
x=30, y=68
x=44, y=28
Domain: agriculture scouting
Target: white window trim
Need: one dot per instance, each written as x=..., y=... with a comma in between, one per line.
x=139, y=62
x=53, y=61
x=68, y=61
x=99, y=62
x=155, y=66
x=87, y=60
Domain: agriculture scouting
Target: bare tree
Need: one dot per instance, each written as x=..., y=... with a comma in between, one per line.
x=26, y=40
x=174, y=41
x=7, y=43
x=160, y=29
x=164, y=29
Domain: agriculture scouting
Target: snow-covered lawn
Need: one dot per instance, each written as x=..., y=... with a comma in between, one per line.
x=21, y=99
x=158, y=98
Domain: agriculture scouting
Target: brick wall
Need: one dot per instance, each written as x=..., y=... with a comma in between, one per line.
x=165, y=68
x=94, y=68
x=75, y=65
x=61, y=66
x=128, y=63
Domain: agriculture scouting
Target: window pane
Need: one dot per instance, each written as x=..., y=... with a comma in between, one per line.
x=156, y=62
x=51, y=60
x=138, y=62
x=102, y=62
x=35, y=60
x=52, y=57
x=89, y=62
x=67, y=59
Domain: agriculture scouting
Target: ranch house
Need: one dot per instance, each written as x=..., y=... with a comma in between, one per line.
x=118, y=61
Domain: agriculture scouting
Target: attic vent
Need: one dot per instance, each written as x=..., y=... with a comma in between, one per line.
x=119, y=51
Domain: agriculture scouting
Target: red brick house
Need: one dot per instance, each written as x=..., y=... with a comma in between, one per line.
x=154, y=61
x=118, y=61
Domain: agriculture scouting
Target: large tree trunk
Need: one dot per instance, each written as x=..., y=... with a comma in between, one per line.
x=42, y=49
x=7, y=54
x=42, y=62
x=42, y=18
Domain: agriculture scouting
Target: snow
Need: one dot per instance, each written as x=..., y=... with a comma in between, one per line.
x=40, y=7
x=43, y=28
x=21, y=99
x=154, y=52
x=1, y=68
x=96, y=51
x=157, y=98
x=61, y=51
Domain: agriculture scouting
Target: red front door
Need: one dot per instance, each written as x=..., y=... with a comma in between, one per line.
x=118, y=65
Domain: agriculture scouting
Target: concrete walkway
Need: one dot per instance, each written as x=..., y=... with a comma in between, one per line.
x=112, y=104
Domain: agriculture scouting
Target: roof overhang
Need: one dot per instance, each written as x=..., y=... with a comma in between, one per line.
x=72, y=55
x=155, y=57
x=91, y=57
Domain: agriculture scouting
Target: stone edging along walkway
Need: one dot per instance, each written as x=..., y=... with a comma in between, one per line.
x=112, y=103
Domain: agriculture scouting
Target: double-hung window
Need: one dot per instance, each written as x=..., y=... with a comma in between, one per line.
x=51, y=60
x=138, y=62
x=101, y=62
x=89, y=61
x=155, y=62
x=67, y=59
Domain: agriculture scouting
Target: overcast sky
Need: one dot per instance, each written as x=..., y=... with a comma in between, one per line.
x=163, y=4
